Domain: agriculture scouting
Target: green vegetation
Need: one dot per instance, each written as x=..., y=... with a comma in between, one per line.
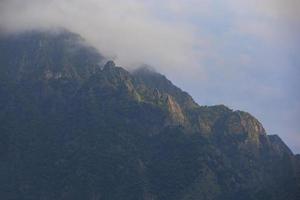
x=72, y=128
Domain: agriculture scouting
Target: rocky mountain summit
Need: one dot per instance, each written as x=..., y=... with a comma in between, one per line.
x=74, y=125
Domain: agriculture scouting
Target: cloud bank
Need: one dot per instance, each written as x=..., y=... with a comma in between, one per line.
x=127, y=31
x=167, y=34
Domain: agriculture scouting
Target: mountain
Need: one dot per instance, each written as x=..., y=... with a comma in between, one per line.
x=73, y=125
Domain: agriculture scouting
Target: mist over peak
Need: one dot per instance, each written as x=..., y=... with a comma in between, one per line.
x=125, y=31
x=217, y=50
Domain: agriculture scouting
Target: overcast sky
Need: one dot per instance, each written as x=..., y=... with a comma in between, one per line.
x=241, y=53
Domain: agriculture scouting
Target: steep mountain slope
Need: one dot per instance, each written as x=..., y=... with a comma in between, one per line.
x=73, y=128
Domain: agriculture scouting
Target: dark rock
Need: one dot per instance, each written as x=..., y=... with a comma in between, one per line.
x=71, y=131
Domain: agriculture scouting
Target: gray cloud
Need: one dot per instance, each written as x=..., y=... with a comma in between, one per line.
x=126, y=30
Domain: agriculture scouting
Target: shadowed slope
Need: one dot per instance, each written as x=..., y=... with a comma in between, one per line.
x=72, y=128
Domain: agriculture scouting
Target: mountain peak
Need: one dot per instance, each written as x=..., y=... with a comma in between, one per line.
x=70, y=130
x=43, y=55
x=109, y=64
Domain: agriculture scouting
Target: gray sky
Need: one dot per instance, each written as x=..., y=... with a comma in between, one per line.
x=241, y=53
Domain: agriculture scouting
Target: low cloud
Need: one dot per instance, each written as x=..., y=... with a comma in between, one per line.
x=127, y=31
x=169, y=34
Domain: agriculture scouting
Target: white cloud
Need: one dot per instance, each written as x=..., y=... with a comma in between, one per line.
x=126, y=30
x=268, y=20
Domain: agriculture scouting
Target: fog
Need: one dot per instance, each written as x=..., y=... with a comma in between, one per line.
x=126, y=31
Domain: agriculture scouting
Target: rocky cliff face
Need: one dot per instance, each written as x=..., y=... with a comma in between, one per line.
x=74, y=128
